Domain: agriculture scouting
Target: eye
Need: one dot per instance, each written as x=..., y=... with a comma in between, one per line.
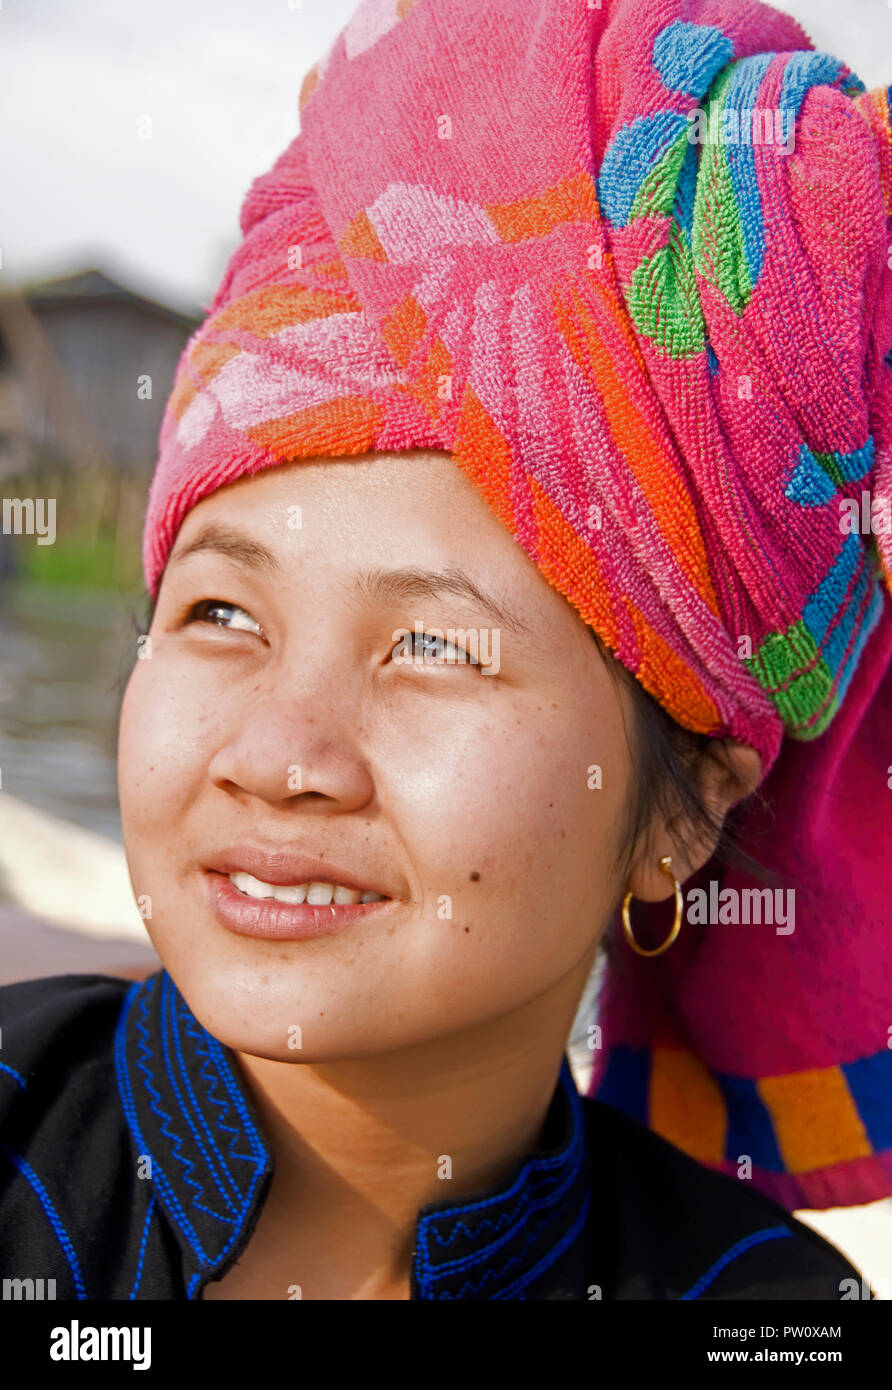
x=210, y=610
x=427, y=648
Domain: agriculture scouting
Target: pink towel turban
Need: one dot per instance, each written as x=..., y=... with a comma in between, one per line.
x=629, y=263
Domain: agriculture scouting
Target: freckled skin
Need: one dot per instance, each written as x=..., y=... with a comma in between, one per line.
x=406, y=773
x=409, y=1036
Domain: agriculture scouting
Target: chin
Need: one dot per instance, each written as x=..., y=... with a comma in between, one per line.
x=254, y=1009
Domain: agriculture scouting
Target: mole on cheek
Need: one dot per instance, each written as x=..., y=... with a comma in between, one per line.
x=475, y=876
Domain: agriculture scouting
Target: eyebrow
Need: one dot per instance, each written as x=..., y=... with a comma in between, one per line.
x=381, y=584
x=223, y=540
x=417, y=583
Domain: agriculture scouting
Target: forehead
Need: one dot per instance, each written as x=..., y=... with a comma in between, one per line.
x=330, y=529
x=340, y=515
x=392, y=485
x=399, y=532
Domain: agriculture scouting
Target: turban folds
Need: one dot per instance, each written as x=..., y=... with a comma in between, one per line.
x=629, y=264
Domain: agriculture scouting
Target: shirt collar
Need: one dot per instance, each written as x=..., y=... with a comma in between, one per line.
x=199, y=1139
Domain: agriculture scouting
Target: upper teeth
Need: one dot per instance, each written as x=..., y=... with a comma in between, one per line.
x=317, y=893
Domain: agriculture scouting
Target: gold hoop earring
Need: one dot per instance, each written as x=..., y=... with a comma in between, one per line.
x=666, y=867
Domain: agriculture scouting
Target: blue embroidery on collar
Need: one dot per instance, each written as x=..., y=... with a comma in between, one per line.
x=497, y=1246
x=188, y=1111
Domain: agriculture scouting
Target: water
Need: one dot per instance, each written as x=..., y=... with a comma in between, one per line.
x=65, y=656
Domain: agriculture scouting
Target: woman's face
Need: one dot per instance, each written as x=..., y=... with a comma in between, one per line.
x=281, y=720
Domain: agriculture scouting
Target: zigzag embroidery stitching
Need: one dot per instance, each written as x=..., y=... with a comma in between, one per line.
x=168, y=1133
x=194, y=1115
x=508, y=1216
x=124, y=1073
x=491, y=1273
x=203, y=1050
x=536, y=1174
x=532, y=1221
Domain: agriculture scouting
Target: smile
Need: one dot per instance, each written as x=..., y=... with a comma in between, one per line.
x=249, y=906
x=317, y=893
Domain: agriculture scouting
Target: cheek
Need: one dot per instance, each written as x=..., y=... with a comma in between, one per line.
x=516, y=809
x=164, y=742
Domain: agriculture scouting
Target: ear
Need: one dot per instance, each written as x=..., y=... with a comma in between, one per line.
x=726, y=773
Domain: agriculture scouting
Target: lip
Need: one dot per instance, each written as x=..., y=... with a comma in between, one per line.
x=265, y=917
x=284, y=867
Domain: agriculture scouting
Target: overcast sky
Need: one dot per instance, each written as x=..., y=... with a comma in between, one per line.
x=219, y=80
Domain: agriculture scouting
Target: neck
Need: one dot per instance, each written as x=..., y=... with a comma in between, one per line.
x=361, y=1144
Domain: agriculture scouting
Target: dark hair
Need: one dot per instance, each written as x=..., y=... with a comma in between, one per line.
x=664, y=757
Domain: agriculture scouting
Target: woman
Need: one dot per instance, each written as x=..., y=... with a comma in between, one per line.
x=382, y=794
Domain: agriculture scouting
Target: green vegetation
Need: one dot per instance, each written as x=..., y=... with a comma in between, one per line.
x=93, y=562
x=98, y=537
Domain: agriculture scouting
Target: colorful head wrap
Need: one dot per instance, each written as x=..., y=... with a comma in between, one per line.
x=629, y=263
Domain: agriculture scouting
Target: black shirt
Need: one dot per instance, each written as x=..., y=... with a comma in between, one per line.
x=133, y=1166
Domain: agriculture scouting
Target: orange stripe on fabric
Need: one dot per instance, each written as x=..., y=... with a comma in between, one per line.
x=663, y=672
x=572, y=567
x=345, y=426
x=483, y=453
x=360, y=239
x=434, y=378
x=685, y=1104
x=642, y=448
x=334, y=269
x=403, y=328
x=815, y=1118
x=573, y=200
x=265, y=312
x=205, y=360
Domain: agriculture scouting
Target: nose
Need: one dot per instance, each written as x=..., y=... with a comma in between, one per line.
x=293, y=749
